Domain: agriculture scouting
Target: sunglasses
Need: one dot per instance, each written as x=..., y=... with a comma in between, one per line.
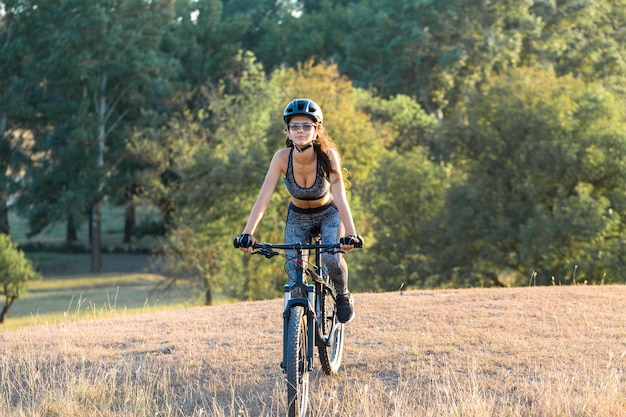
x=306, y=127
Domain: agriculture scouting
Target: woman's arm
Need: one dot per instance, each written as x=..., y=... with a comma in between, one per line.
x=272, y=176
x=339, y=194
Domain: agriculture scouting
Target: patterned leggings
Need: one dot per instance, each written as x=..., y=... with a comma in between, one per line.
x=301, y=224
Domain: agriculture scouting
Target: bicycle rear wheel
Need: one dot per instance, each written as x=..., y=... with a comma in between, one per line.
x=331, y=334
x=297, y=367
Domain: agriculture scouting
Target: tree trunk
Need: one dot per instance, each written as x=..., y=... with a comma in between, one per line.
x=96, y=237
x=90, y=232
x=3, y=124
x=96, y=250
x=71, y=235
x=4, y=215
x=129, y=221
x=208, y=293
x=5, y=309
x=4, y=209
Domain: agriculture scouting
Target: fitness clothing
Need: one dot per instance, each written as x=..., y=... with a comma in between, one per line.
x=301, y=224
x=318, y=190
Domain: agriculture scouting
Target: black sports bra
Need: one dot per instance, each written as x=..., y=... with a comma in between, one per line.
x=318, y=190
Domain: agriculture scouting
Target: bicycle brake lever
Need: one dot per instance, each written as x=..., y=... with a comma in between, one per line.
x=265, y=252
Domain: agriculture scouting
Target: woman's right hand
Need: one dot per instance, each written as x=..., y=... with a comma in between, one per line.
x=245, y=242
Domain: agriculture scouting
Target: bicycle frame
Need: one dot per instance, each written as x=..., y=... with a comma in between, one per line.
x=308, y=303
x=306, y=315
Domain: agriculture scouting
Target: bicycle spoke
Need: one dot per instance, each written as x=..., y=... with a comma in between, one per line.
x=303, y=329
x=297, y=369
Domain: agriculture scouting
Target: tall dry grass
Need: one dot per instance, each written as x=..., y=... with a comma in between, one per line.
x=538, y=351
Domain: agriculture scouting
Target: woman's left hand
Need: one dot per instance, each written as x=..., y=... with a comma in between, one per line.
x=348, y=243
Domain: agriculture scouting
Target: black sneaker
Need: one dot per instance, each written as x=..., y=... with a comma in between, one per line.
x=345, y=308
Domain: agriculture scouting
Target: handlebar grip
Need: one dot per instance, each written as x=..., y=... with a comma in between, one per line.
x=244, y=241
x=351, y=240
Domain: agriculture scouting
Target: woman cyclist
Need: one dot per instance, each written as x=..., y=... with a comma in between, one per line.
x=310, y=166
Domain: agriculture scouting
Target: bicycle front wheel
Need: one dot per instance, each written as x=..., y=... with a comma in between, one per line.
x=331, y=332
x=297, y=367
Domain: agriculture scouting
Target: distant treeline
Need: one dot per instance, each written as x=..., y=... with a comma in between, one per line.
x=486, y=141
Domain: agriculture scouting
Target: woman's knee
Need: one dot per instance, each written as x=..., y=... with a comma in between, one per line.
x=334, y=265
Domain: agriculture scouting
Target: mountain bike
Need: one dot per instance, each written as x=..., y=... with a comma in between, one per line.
x=309, y=318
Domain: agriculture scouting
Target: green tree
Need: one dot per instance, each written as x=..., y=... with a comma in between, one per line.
x=403, y=196
x=15, y=271
x=437, y=51
x=434, y=51
x=221, y=184
x=406, y=200
x=102, y=67
x=312, y=31
x=217, y=183
x=410, y=126
x=205, y=37
x=254, y=17
x=544, y=158
x=585, y=40
x=15, y=109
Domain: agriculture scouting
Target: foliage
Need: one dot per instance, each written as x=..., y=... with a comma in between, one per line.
x=509, y=111
x=15, y=271
x=406, y=198
x=204, y=38
x=224, y=179
x=219, y=182
x=584, y=39
x=408, y=124
x=433, y=51
x=160, y=152
x=98, y=71
x=437, y=51
x=15, y=106
x=312, y=31
x=544, y=163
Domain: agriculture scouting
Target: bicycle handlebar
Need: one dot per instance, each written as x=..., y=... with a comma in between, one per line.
x=295, y=246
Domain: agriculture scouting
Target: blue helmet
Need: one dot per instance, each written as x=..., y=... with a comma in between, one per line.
x=305, y=107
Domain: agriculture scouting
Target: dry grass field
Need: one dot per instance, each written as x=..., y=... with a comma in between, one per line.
x=534, y=351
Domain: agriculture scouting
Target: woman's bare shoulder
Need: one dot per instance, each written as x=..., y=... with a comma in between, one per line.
x=282, y=153
x=280, y=159
x=335, y=158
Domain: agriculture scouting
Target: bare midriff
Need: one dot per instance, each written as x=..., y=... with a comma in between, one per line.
x=310, y=204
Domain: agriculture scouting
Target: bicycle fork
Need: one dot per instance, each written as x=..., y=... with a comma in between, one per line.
x=308, y=304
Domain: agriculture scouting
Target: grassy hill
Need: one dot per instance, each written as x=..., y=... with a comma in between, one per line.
x=535, y=351
x=67, y=287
